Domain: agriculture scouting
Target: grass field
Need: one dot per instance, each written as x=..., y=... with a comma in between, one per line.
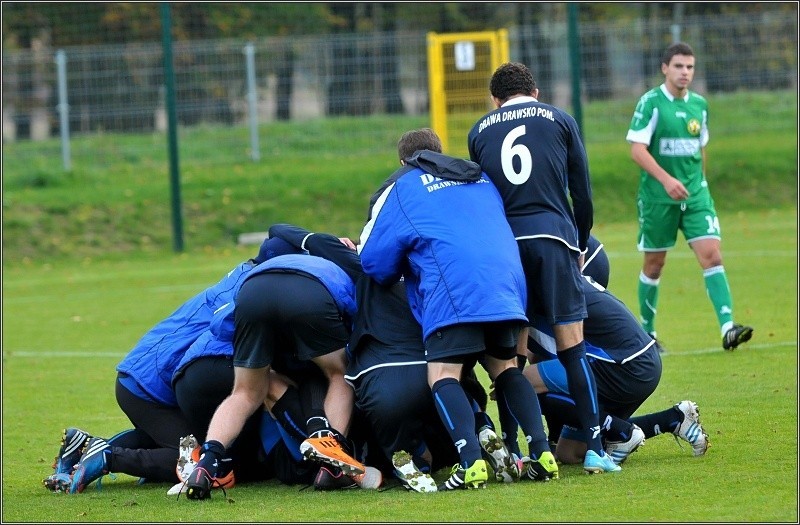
x=67, y=324
x=88, y=267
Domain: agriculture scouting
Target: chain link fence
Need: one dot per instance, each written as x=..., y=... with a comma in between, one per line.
x=239, y=90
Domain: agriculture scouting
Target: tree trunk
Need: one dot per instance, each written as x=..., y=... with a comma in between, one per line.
x=284, y=84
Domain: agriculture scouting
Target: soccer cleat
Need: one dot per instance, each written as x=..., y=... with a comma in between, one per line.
x=495, y=452
x=327, y=449
x=178, y=488
x=409, y=475
x=332, y=478
x=93, y=465
x=372, y=478
x=737, y=335
x=199, y=484
x=543, y=469
x=188, y=456
x=73, y=441
x=620, y=450
x=474, y=477
x=201, y=480
x=690, y=429
x=596, y=464
x=521, y=462
x=57, y=482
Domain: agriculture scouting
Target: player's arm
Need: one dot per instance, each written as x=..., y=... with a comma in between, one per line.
x=645, y=160
x=580, y=187
x=323, y=245
x=382, y=244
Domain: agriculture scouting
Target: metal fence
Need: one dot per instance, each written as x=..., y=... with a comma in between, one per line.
x=239, y=88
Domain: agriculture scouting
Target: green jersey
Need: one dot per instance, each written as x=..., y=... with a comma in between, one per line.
x=675, y=131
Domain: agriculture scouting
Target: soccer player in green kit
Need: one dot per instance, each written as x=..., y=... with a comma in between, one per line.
x=668, y=135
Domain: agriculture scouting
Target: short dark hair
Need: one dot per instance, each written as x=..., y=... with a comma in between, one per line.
x=678, y=48
x=511, y=78
x=418, y=139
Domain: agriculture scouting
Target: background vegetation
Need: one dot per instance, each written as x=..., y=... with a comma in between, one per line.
x=124, y=22
x=123, y=204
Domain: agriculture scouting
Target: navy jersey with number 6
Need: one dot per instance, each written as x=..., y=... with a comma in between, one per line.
x=534, y=154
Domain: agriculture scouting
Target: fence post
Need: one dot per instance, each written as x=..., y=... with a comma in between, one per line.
x=172, y=126
x=63, y=108
x=252, y=99
x=675, y=29
x=575, y=63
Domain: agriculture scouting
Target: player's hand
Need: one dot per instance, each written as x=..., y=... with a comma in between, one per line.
x=347, y=242
x=676, y=189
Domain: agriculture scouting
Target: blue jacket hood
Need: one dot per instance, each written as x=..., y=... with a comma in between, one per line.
x=444, y=166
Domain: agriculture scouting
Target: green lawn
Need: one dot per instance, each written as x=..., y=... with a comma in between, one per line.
x=89, y=266
x=66, y=324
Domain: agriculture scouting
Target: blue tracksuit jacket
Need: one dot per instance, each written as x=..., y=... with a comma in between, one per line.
x=439, y=221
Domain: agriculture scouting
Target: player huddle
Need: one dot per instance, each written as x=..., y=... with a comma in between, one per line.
x=324, y=362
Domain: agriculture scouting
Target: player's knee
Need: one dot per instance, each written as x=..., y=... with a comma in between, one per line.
x=570, y=452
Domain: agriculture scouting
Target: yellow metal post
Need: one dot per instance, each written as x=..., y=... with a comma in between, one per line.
x=459, y=68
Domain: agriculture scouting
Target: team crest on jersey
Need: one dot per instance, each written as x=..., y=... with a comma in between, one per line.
x=693, y=126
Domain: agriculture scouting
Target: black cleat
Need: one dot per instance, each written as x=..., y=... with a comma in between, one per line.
x=737, y=335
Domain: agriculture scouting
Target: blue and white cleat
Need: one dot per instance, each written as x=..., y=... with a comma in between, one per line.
x=93, y=465
x=73, y=441
x=620, y=450
x=596, y=464
x=690, y=429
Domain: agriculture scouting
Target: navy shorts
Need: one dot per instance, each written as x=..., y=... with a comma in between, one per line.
x=621, y=388
x=498, y=339
x=553, y=279
x=286, y=312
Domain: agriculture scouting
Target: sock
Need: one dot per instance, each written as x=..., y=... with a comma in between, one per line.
x=211, y=452
x=582, y=388
x=510, y=429
x=616, y=429
x=316, y=425
x=288, y=412
x=312, y=398
x=514, y=391
x=720, y=294
x=648, y=299
x=482, y=420
x=659, y=422
x=456, y=413
x=474, y=389
x=558, y=410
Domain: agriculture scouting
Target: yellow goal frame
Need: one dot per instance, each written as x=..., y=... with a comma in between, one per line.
x=460, y=66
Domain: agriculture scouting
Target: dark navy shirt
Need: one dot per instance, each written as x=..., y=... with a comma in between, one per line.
x=534, y=154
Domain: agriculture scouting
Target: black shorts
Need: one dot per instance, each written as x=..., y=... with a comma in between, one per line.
x=497, y=339
x=286, y=312
x=553, y=279
x=621, y=389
